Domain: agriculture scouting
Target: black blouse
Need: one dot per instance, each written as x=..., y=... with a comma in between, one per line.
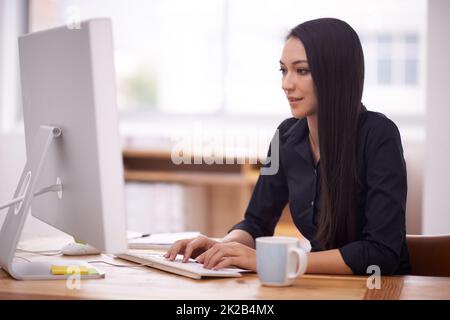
x=381, y=196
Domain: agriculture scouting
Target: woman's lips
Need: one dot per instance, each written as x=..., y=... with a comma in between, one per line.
x=293, y=101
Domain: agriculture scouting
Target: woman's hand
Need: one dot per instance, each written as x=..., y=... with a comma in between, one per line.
x=188, y=247
x=225, y=254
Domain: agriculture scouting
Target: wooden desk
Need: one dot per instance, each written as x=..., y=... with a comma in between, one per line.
x=148, y=283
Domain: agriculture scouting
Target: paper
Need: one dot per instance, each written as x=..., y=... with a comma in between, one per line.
x=164, y=238
x=134, y=234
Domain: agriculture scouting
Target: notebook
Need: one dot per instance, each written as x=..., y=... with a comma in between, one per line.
x=191, y=269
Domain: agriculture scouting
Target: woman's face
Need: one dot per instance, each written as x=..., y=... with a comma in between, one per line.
x=297, y=82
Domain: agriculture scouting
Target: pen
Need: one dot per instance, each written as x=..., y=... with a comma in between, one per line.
x=144, y=235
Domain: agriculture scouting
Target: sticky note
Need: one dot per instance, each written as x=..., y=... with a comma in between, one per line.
x=92, y=271
x=64, y=270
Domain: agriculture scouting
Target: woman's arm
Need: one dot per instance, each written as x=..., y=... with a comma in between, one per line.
x=240, y=236
x=328, y=262
x=270, y=194
x=236, y=250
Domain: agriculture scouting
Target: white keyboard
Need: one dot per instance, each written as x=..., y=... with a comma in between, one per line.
x=191, y=269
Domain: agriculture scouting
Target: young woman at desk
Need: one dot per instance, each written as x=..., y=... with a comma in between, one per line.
x=341, y=167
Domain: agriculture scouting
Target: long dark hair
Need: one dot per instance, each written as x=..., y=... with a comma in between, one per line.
x=336, y=61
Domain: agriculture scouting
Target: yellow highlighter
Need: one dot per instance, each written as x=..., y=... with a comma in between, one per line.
x=74, y=269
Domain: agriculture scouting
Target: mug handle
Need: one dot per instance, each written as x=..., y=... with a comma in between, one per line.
x=302, y=259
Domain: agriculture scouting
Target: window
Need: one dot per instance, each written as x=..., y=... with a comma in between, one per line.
x=398, y=58
x=393, y=41
x=168, y=53
x=384, y=65
x=411, y=59
x=219, y=57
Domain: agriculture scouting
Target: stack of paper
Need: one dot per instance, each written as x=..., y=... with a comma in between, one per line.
x=160, y=240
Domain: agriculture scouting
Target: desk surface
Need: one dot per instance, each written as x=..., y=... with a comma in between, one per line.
x=149, y=283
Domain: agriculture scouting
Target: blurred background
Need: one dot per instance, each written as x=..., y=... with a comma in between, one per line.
x=213, y=64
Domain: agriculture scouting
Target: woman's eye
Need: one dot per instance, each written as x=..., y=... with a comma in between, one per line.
x=283, y=71
x=302, y=71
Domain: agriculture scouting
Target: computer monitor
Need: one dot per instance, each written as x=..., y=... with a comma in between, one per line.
x=72, y=142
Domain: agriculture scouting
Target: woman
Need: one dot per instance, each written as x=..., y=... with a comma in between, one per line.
x=341, y=167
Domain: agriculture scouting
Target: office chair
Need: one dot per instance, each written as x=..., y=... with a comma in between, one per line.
x=429, y=255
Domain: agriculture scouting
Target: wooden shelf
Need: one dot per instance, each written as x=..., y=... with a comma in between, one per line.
x=157, y=166
x=231, y=179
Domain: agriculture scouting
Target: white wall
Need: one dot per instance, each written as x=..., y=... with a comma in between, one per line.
x=13, y=15
x=436, y=212
x=12, y=23
x=12, y=161
x=12, y=149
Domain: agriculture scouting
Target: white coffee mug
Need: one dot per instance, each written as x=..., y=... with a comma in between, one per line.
x=279, y=260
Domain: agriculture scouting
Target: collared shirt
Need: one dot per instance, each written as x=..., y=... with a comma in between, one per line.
x=381, y=195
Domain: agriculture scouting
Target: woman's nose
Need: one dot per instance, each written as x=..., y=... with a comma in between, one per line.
x=287, y=83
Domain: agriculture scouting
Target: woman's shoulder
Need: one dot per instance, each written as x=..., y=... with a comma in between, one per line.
x=378, y=122
x=377, y=126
